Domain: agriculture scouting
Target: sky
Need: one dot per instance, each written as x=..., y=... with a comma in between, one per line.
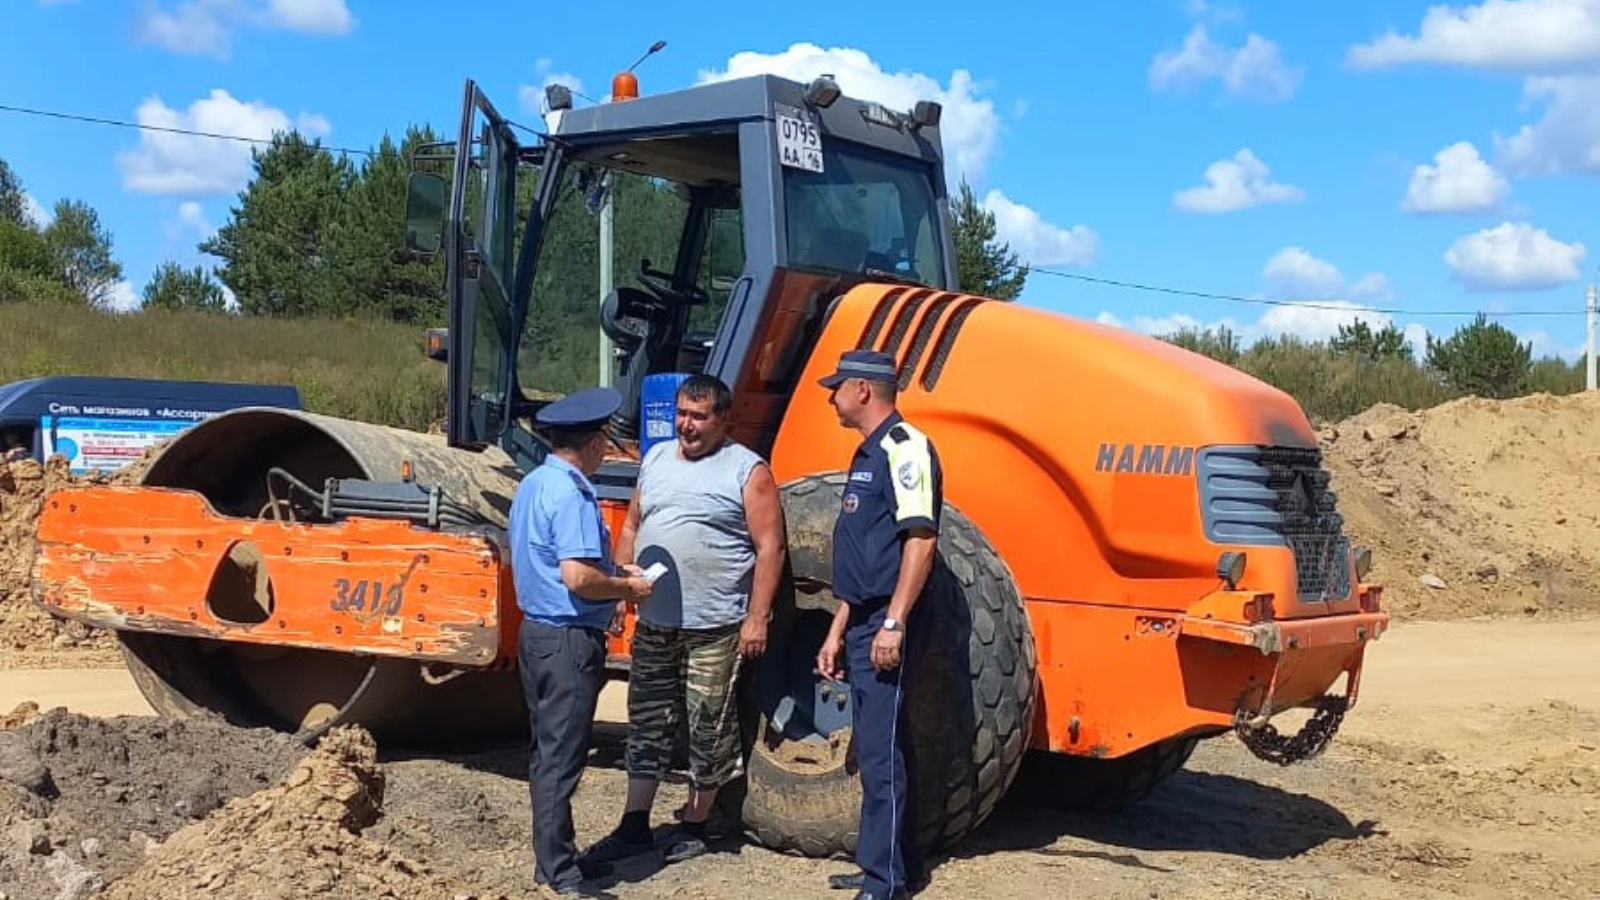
x=1314, y=161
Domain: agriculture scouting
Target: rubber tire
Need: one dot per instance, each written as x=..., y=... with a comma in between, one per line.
x=1086, y=784
x=981, y=651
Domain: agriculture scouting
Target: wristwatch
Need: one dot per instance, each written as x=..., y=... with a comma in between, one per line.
x=890, y=623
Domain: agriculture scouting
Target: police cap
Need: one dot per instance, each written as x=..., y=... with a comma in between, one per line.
x=867, y=364
x=583, y=410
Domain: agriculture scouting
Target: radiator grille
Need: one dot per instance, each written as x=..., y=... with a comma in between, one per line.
x=1278, y=496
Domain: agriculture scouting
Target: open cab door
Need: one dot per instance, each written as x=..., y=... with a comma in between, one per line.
x=477, y=218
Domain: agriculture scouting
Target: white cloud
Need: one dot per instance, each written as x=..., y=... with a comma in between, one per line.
x=1517, y=35
x=1417, y=337
x=970, y=127
x=1567, y=139
x=1159, y=325
x=1514, y=257
x=1562, y=347
x=1254, y=70
x=1372, y=286
x=193, y=28
x=310, y=16
x=1215, y=13
x=206, y=27
x=36, y=212
x=190, y=215
x=1459, y=181
x=1307, y=323
x=1037, y=242
x=1294, y=273
x=1318, y=323
x=169, y=163
x=1236, y=183
x=124, y=297
x=531, y=97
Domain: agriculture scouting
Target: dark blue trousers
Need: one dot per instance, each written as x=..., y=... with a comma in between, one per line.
x=886, y=848
x=563, y=670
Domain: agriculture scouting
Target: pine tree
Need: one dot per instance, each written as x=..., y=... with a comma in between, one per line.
x=81, y=247
x=13, y=208
x=275, y=248
x=366, y=242
x=1483, y=358
x=985, y=266
x=1360, y=340
x=174, y=287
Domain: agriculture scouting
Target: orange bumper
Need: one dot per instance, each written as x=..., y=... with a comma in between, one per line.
x=1296, y=634
x=1116, y=680
x=163, y=560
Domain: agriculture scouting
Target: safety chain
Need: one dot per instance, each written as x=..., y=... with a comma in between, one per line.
x=1267, y=744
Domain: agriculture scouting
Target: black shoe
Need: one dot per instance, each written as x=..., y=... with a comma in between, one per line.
x=868, y=895
x=613, y=847
x=683, y=846
x=591, y=869
x=857, y=881
x=848, y=881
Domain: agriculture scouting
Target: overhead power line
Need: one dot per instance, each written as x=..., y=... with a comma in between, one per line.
x=1300, y=304
x=1057, y=273
x=140, y=126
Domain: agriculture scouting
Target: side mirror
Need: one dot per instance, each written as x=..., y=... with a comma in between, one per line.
x=436, y=344
x=426, y=194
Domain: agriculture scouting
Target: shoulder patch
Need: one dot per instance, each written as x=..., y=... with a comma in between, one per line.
x=899, y=435
x=578, y=482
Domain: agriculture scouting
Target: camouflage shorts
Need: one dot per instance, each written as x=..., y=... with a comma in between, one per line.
x=689, y=672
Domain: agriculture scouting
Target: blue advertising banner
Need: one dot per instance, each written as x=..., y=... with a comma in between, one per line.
x=107, y=444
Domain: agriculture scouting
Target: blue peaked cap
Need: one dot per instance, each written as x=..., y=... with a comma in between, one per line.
x=868, y=364
x=588, y=408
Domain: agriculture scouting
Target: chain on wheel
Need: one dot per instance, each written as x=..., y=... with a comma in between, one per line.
x=1268, y=744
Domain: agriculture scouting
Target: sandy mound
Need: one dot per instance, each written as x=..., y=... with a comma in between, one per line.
x=301, y=838
x=1476, y=506
x=82, y=800
x=28, y=636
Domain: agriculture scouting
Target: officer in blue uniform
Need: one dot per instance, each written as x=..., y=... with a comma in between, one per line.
x=566, y=586
x=884, y=543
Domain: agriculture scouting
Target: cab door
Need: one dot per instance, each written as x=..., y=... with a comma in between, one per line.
x=480, y=236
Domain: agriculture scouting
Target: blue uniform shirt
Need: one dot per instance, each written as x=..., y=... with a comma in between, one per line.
x=555, y=516
x=895, y=485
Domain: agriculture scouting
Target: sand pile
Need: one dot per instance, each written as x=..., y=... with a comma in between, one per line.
x=1476, y=506
x=300, y=838
x=82, y=800
x=28, y=636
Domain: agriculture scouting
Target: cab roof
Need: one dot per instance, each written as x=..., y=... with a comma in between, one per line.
x=723, y=105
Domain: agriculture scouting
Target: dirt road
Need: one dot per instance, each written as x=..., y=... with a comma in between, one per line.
x=1417, y=670
x=1469, y=769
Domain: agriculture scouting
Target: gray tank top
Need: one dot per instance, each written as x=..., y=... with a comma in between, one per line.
x=691, y=519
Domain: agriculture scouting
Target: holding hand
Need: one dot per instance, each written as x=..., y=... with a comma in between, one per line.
x=753, y=638
x=886, y=649
x=830, y=657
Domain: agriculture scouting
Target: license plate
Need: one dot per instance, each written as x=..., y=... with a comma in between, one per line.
x=799, y=143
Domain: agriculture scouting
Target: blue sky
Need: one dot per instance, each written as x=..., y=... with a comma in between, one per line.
x=1392, y=156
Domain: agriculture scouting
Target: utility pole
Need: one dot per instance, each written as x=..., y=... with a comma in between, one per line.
x=1594, y=312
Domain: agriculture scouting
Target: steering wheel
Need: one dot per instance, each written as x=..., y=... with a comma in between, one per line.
x=660, y=284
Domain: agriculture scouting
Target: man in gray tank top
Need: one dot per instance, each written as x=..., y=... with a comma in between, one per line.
x=707, y=509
